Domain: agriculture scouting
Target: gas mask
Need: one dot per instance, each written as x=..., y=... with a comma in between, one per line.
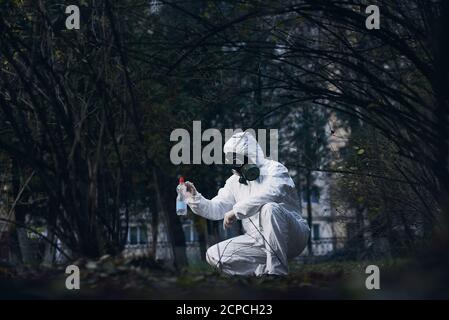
x=246, y=170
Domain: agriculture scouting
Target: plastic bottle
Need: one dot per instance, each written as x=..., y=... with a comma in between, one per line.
x=181, y=205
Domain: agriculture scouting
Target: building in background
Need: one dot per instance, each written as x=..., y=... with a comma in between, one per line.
x=331, y=230
x=140, y=239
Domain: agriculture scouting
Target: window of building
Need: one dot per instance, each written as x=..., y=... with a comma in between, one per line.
x=186, y=228
x=189, y=231
x=137, y=235
x=143, y=235
x=133, y=235
x=316, y=231
x=314, y=195
x=351, y=230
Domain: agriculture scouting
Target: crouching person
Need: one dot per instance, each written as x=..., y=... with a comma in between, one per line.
x=262, y=195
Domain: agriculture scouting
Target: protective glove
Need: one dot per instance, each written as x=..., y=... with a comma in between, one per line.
x=229, y=218
x=190, y=192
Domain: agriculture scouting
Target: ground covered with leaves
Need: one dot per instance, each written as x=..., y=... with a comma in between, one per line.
x=117, y=278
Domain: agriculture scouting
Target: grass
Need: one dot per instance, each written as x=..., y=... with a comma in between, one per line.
x=113, y=279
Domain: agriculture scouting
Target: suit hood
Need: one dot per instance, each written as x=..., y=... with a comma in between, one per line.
x=244, y=143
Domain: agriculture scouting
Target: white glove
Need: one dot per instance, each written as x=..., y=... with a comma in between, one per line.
x=229, y=218
x=190, y=192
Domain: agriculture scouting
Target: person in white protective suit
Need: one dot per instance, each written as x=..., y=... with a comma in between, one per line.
x=268, y=207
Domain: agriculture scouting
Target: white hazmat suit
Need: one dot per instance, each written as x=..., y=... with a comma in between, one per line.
x=269, y=209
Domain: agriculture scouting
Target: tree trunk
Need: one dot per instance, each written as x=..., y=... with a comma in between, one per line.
x=26, y=250
x=175, y=233
x=309, y=209
x=50, y=251
x=15, y=257
x=441, y=89
x=308, y=164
